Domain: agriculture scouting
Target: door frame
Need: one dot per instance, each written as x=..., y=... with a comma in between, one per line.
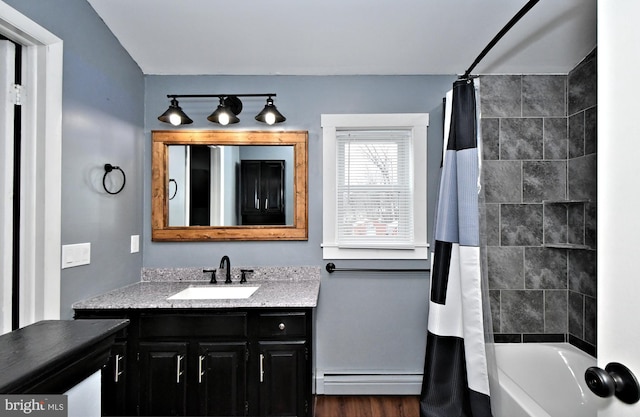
x=7, y=114
x=40, y=220
x=618, y=194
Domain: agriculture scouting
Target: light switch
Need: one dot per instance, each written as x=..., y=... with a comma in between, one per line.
x=135, y=243
x=76, y=255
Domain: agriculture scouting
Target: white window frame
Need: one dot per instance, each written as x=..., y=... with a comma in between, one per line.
x=417, y=123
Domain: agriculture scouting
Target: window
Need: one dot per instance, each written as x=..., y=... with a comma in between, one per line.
x=374, y=192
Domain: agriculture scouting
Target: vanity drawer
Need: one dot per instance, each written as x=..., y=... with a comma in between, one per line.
x=184, y=325
x=282, y=324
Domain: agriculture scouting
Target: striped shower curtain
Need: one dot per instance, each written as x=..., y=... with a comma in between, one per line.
x=456, y=382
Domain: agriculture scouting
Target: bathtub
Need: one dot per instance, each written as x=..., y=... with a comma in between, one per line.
x=543, y=380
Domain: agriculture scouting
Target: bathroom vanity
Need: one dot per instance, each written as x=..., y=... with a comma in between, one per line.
x=216, y=357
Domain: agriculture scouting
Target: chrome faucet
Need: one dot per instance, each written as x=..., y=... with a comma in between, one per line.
x=225, y=259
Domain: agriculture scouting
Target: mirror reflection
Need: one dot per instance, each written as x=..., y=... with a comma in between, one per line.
x=217, y=185
x=227, y=185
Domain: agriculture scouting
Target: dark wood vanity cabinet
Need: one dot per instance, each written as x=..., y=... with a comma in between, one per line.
x=262, y=192
x=213, y=363
x=222, y=378
x=283, y=378
x=114, y=380
x=284, y=363
x=163, y=378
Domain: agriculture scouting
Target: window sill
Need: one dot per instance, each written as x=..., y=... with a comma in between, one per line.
x=332, y=251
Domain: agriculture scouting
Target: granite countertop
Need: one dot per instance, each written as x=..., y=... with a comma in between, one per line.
x=277, y=287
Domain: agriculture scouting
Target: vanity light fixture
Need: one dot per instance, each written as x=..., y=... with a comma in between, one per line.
x=224, y=114
x=227, y=111
x=270, y=114
x=175, y=115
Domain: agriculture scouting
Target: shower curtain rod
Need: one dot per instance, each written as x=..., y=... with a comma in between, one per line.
x=499, y=36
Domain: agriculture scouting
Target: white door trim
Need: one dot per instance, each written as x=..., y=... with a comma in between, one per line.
x=41, y=165
x=7, y=79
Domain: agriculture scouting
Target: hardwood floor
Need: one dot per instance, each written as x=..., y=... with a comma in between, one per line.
x=367, y=406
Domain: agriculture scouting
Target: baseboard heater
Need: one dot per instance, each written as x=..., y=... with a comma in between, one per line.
x=342, y=383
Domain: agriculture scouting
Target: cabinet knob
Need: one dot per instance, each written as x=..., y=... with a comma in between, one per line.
x=281, y=326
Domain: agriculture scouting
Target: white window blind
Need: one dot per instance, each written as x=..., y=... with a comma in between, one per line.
x=374, y=189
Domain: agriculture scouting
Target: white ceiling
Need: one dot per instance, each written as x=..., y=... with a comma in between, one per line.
x=310, y=37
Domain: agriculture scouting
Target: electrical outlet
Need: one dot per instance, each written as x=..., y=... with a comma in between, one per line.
x=135, y=243
x=76, y=255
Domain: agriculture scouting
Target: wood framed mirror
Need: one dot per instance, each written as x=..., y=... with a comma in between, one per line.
x=213, y=185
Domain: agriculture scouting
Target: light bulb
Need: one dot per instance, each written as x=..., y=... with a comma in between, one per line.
x=270, y=118
x=174, y=119
x=223, y=119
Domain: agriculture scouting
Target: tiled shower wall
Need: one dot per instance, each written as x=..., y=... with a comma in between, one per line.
x=539, y=138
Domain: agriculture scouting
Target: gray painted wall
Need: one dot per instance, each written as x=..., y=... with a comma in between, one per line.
x=365, y=321
x=102, y=119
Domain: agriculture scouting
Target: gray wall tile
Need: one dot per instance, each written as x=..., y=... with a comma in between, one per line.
x=490, y=138
x=521, y=224
x=521, y=138
x=555, y=311
x=503, y=181
x=576, y=135
x=505, y=266
x=590, y=320
x=492, y=224
x=543, y=95
x=582, y=272
x=500, y=96
x=576, y=314
x=591, y=130
x=522, y=311
x=583, y=85
x=576, y=224
x=557, y=156
x=555, y=223
x=544, y=180
x=590, y=225
x=555, y=137
x=545, y=269
x=582, y=179
x=494, y=297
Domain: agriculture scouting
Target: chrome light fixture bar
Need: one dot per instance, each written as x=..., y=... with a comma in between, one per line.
x=227, y=111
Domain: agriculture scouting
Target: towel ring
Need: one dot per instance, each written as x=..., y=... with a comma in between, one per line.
x=107, y=169
x=175, y=191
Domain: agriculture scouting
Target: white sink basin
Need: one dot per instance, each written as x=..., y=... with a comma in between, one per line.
x=214, y=293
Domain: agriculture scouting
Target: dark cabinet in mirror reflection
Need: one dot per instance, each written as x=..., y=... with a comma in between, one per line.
x=262, y=192
x=200, y=197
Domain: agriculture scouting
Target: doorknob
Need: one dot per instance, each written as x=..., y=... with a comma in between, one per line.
x=615, y=379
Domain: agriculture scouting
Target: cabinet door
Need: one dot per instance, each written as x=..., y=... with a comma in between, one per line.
x=222, y=378
x=163, y=374
x=272, y=200
x=283, y=382
x=250, y=187
x=114, y=381
x=262, y=192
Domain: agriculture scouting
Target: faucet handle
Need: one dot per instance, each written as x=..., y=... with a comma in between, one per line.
x=213, y=275
x=243, y=278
